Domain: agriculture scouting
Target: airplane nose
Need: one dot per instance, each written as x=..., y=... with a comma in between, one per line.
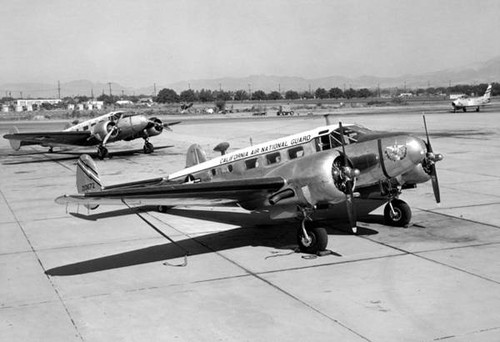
x=416, y=150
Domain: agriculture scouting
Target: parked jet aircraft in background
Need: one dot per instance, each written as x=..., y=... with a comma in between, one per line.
x=114, y=126
x=322, y=171
x=464, y=102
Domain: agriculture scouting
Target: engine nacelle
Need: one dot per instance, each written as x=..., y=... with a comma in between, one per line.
x=415, y=176
x=103, y=128
x=155, y=127
x=315, y=186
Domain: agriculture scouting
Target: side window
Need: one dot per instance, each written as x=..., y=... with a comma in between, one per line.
x=251, y=163
x=273, y=158
x=296, y=152
x=85, y=128
x=230, y=168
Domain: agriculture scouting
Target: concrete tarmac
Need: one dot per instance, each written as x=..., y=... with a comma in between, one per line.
x=230, y=275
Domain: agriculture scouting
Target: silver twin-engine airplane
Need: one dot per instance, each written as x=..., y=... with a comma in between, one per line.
x=332, y=169
x=464, y=101
x=110, y=127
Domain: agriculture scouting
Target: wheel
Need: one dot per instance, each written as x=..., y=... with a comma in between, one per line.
x=401, y=216
x=317, y=243
x=102, y=152
x=464, y=109
x=148, y=147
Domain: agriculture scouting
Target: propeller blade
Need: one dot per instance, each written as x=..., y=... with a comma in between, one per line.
x=435, y=184
x=433, y=172
x=106, y=138
x=349, y=196
x=429, y=147
x=168, y=124
x=351, y=210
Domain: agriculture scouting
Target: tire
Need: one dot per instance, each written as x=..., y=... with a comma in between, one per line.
x=319, y=240
x=148, y=148
x=102, y=152
x=403, y=214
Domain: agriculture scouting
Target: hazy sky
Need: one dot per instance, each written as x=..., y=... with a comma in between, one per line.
x=137, y=43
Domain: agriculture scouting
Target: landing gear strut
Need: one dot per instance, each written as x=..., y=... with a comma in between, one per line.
x=102, y=152
x=397, y=213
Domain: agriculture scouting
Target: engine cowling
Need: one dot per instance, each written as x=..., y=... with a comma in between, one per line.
x=102, y=129
x=155, y=127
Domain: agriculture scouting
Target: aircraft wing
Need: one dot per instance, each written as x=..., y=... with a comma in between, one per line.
x=186, y=194
x=48, y=138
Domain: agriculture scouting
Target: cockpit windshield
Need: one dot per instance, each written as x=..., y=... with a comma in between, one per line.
x=352, y=134
x=116, y=116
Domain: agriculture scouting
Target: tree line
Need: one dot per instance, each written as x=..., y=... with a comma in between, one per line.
x=167, y=95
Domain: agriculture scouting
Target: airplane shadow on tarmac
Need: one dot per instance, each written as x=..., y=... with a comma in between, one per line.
x=259, y=232
x=66, y=155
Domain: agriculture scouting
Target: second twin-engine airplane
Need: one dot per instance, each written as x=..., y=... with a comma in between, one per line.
x=327, y=169
x=464, y=102
x=110, y=127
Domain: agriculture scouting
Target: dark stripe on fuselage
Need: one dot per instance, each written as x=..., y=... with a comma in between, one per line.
x=381, y=155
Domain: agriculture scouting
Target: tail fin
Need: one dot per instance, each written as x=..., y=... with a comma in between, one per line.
x=14, y=143
x=487, y=94
x=87, y=178
x=195, y=155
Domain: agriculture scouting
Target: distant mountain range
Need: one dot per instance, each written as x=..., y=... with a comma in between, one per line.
x=484, y=72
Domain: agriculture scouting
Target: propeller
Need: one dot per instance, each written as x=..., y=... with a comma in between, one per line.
x=429, y=164
x=168, y=124
x=110, y=133
x=346, y=175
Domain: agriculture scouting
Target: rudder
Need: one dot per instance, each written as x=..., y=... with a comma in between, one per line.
x=195, y=155
x=487, y=94
x=14, y=143
x=87, y=177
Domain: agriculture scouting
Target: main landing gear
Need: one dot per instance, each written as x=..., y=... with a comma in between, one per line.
x=102, y=152
x=311, y=239
x=148, y=147
x=397, y=213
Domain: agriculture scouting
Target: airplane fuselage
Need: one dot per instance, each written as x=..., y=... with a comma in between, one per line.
x=312, y=155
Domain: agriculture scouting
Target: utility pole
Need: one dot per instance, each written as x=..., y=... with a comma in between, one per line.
x=249, y=91
x=110, y=95
x=58, y=89
x=154, y=89
x=92, y=93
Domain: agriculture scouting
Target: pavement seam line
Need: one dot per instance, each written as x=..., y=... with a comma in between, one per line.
x=416, y=254
x=44, y=270
x=255, y=275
